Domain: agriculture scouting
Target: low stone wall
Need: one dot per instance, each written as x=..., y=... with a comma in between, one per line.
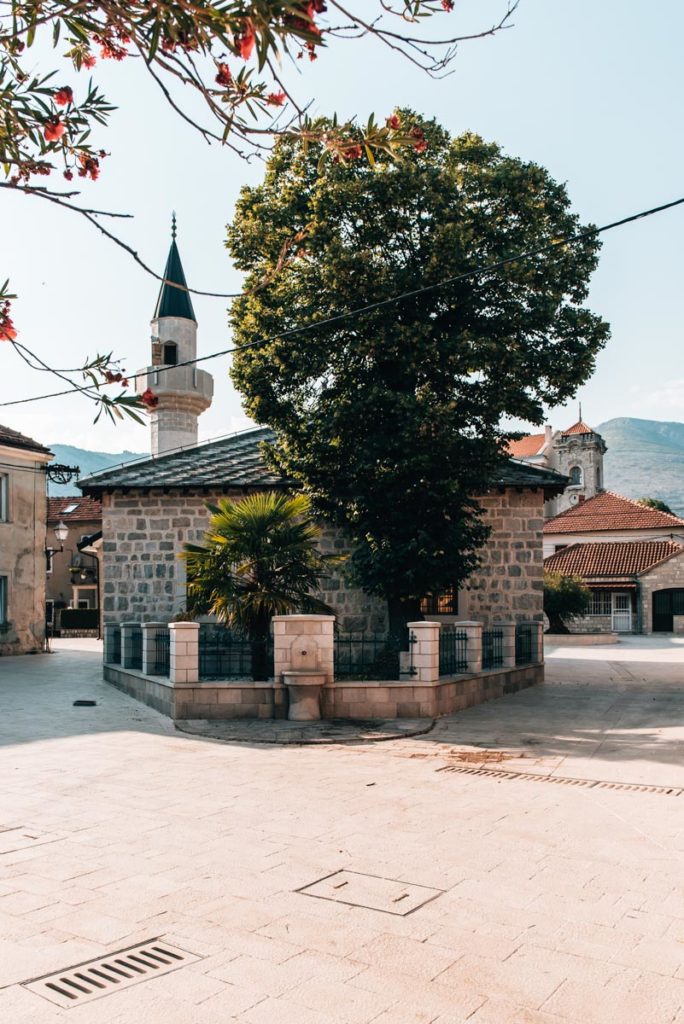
x=580, y=639
x=371, y=701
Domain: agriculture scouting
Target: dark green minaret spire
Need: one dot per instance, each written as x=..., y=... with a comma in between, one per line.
x=174, y=301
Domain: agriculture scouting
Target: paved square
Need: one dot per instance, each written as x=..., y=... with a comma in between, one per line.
x=560, y=903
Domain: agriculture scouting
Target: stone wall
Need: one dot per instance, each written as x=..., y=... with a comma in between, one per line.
x=144, y=580
x=22, y=551
x=510, y=581
x=663, y=577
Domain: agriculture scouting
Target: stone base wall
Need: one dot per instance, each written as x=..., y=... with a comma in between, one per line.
x=345, y=700
x=580, y=639
x=590, y=623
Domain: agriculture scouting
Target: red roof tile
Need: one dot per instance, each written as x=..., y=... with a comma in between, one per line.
x=531, y=444
x=608, y=511
x=87, y=509
x=620, y=558
x=579, y=428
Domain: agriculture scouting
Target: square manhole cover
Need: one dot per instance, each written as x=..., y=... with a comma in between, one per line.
x=372, y=892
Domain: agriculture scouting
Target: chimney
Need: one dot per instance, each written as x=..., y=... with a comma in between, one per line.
x=548, y=433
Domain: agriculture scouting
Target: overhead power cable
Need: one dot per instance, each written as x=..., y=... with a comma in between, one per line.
x=382, y=303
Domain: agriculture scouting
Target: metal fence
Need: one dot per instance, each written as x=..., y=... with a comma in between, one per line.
x=136, y=648
x=524, y=645
x=453, y=652
x=375, y=656
x=162, y=653
x=225, y=656
x=492, y=648
x=115, y=646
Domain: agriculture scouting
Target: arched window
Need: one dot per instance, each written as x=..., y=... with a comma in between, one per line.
x=575, y=476
x=170, y=357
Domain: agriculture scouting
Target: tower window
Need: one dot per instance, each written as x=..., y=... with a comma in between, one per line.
x=170, y=353
x=575, y=476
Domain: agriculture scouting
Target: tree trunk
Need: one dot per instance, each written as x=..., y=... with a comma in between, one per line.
x=556, y=625
x=400, y=611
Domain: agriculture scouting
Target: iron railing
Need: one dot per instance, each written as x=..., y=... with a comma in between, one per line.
x=162, y=653
x=453, y=652
x=524, y=646
x=492, y=648
x=374, y=656
x=136, y=648
x=225, y=656
x=114, y=651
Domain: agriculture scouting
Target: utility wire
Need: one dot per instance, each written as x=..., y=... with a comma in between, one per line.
x=380, y=304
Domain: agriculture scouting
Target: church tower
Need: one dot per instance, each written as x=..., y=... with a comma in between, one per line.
x=578, y=454
x=184, y=392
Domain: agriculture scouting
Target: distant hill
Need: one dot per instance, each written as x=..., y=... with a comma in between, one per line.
x=645, y=458
x=89, y=462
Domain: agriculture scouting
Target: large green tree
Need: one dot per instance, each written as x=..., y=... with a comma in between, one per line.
x=391, y=419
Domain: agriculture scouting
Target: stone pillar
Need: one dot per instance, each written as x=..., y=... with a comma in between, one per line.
x=127, y=643
x=149, y=651
x=425, y=651
x=537, y=642
x=508, y=642
x=287, y=628
x=108, y=645
x=184, y=652
x=473, y=631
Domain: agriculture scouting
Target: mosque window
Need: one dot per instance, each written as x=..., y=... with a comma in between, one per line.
x=170, y=353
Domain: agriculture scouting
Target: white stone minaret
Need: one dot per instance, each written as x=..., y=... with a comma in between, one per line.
x=184, y=392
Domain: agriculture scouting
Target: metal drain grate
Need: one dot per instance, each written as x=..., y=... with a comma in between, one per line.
x=111, y=973
x=560, y=780
x=372, y=892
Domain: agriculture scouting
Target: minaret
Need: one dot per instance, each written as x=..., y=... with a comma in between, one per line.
x=184, y=392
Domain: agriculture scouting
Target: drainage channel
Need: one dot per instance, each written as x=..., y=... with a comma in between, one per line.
x=560, y=780
x=111, y=973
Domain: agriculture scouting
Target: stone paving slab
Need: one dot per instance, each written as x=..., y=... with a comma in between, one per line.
x=304, y=733
x=559, y=905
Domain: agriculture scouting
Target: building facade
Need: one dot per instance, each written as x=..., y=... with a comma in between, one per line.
x=23, y=515
x=576, y=453
x=72, y=573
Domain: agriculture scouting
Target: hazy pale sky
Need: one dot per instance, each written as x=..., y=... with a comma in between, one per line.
x=590, y=90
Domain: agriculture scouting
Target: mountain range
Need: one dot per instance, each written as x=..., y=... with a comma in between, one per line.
x=645, y=458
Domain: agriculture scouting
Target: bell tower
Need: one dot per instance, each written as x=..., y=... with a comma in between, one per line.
x=184, y=391
x=578, y=454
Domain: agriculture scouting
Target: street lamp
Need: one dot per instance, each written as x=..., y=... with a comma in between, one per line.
x=61, y=533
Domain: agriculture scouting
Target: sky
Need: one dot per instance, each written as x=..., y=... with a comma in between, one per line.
x=590, y=90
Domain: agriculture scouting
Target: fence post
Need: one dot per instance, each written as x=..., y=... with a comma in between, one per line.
x=127, y=643
x=537, y=631
x=473, y=631
x=425, y=651
x=108, y=645
x=508, y=642
x=321, y=628
x=149, y=652
x=184, y=652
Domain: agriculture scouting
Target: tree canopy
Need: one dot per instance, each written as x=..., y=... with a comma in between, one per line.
x=564, y=596
x=391, y=420
x=657, y=504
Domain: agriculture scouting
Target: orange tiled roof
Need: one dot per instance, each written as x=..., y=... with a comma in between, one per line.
x=531, y=444
x=88, y=510
x=618, y=558
x=608, y=511
x=579, y=428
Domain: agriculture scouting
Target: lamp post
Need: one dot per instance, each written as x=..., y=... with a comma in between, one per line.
x=61, y=533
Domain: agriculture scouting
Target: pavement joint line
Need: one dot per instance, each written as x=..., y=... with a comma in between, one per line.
x=638, y=787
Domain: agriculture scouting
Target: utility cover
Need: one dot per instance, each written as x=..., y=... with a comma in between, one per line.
x=388, y=895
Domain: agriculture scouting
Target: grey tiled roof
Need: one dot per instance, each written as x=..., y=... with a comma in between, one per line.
x=13, y=439
x=236, y=461
x=233, y=461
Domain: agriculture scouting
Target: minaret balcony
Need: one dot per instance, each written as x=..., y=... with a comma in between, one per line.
x=176, y=382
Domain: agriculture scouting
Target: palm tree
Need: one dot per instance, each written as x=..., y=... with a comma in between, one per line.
x=260, y=558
